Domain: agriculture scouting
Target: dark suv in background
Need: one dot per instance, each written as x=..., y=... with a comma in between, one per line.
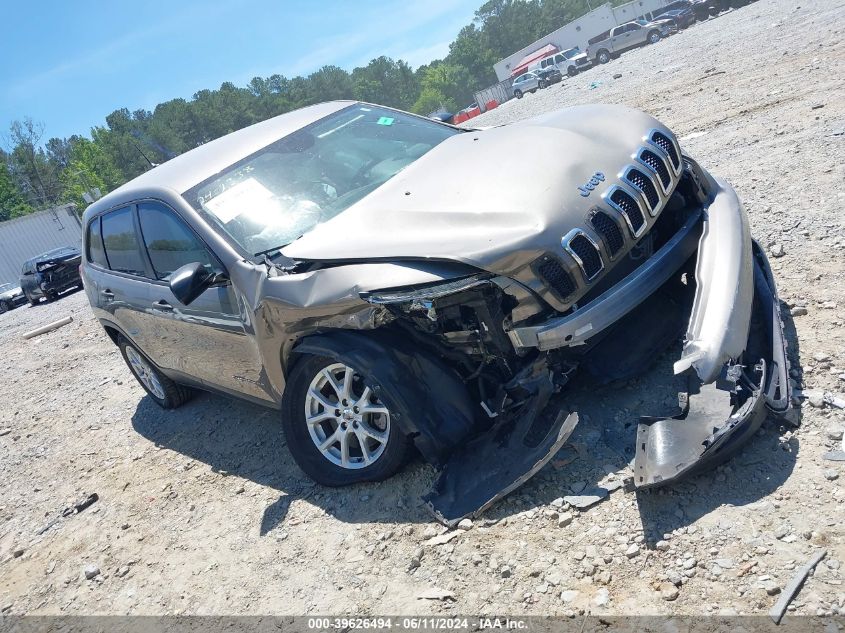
x=45, y=276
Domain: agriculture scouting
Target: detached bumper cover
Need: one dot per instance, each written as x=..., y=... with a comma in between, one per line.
x=736, y=339
x=721, y=313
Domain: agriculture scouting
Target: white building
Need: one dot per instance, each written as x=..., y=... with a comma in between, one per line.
x=577, y=32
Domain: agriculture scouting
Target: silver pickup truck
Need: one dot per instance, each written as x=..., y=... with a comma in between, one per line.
x=628, y=35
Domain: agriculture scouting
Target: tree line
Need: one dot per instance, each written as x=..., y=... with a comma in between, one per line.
x=38, y=173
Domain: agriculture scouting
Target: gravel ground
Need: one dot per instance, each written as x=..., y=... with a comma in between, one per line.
x=201, y=509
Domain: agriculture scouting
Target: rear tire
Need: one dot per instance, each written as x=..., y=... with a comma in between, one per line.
x=603, y=56
x=166, y=393
x=541, y=85
x=316, y=380
x=32, y=302
x=4, y=307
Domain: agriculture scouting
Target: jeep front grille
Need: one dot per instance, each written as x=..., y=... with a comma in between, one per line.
x=627, y=210
x=609, y=230
x=553, y=273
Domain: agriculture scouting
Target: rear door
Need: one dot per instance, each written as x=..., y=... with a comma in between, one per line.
x=119, y=276
x=636, y=35
x=206, y=339
x=621, y=37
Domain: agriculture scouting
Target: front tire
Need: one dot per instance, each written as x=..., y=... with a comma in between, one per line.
x=166, y=393
x=572, y=71
x=517, y=94
x=32, y=302
x=4, y=307
x=654, y=37
x=337, y=429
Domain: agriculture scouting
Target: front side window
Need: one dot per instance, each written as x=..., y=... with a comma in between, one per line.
x=272, y=197
x=121, y=243
x=169, y=241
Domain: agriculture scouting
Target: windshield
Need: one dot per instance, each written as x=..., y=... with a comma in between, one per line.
x=274, y=196
x=6, y=287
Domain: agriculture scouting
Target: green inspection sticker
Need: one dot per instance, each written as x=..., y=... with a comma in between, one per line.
x=385, y=120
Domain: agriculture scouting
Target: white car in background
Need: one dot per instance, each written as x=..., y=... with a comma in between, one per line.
x=11, y=296
x=527, y=82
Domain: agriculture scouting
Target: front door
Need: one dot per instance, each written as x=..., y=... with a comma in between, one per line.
x=205, y=339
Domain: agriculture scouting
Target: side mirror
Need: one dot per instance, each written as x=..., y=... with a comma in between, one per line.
x=190, y=281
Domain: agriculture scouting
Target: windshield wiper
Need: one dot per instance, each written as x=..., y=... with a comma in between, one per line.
x=276, y=248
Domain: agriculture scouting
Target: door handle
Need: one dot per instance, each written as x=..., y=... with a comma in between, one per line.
x=108, y=294
x=162, y=305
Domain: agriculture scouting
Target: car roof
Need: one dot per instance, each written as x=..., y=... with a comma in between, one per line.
x=55, y=251
x=193, y=167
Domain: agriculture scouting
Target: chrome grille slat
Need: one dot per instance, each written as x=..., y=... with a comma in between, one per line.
x=668, y=145
x=585, y=252
x=607, y=227
x=658, y=166
x=641, y=180
x=553, y=273
x=630, y=206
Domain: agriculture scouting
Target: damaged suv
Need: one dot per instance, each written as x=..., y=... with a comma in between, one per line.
x=334, y=263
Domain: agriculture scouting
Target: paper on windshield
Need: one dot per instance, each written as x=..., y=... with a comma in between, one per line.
x=246, y=195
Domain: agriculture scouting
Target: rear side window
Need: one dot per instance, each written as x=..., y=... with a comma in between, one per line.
x=121, y=243
x=169, y=241
x=96, y=253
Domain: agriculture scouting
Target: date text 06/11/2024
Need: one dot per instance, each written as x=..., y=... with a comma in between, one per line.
x=421, y=623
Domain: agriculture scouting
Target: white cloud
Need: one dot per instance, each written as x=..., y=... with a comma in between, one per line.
x=419, y=56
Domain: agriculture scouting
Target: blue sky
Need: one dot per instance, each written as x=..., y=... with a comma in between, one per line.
x=69, y=64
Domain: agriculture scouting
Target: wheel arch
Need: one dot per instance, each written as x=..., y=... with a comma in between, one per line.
x=113, y=332
x=426, y=397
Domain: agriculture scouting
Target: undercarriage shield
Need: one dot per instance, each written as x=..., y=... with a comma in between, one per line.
x=712, y=422
x=492, y=465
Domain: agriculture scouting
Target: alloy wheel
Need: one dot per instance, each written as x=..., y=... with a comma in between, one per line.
x=146, y=374
x=347, y=422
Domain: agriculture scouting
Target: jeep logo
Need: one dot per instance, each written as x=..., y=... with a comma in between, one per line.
x=591, y=184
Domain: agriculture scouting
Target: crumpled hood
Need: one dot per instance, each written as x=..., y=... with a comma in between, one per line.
x=492, y=198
